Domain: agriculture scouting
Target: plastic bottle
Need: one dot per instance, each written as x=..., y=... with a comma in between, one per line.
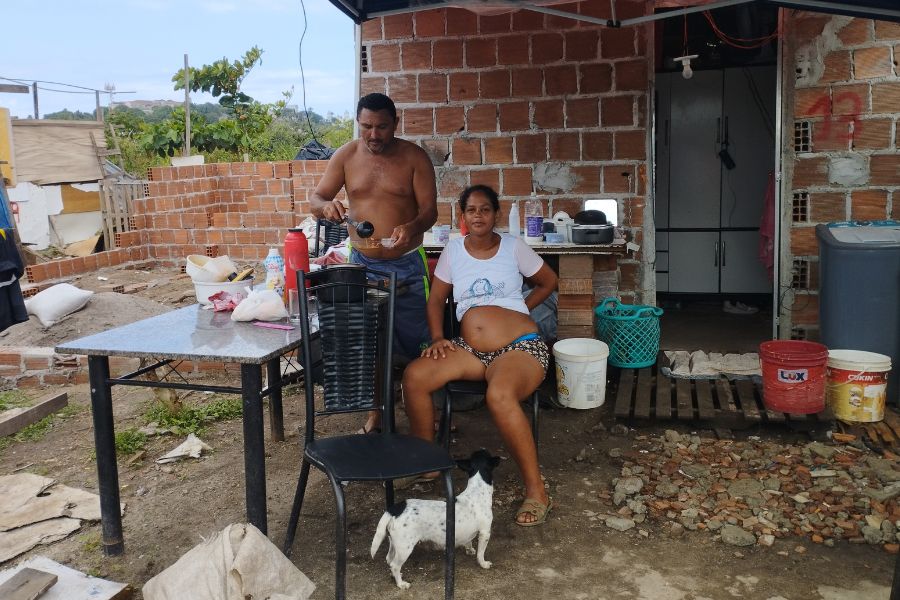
x=274, y=266
x=296, y=258
x=534, y=217
x=515, y=228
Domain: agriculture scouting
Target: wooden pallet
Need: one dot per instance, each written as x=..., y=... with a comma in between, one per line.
x=884, y=434
x=646, y=395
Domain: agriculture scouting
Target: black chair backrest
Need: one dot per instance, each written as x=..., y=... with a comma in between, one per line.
x=355, y=308
x=328, y=234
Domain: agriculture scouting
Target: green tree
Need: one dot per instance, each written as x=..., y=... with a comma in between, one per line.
x=223, y=80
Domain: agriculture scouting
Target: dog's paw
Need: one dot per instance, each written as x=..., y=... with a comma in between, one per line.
x=470, y=550
x=485, y=564
x=403, y=585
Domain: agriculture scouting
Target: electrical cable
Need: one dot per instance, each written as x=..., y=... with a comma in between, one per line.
x=302, y=76
x=740, y=43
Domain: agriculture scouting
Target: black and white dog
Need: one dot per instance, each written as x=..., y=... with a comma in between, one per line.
x=411, y=521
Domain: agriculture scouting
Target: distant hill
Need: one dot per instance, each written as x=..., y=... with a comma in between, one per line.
x=148, y=105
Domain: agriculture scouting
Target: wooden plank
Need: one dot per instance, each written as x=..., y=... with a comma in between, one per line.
x=885, y=432
x=663, y=396
x=705, y=408
x=893, y=422
x=726, y=398
x=684, y=405
x=623, y=394
x=16, y=422
x=27, y=584
x=748, y=400
x=643, y=393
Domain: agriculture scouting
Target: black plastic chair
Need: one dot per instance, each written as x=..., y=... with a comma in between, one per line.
x=355, y=315
x=462, y=387
x=328, y=234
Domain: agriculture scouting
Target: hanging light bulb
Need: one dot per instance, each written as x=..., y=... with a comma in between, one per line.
x=685, y=61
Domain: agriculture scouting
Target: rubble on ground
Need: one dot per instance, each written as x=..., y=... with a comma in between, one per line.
x=755, y=491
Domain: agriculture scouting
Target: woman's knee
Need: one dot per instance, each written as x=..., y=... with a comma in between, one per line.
x=420, y=377
x=501, y=398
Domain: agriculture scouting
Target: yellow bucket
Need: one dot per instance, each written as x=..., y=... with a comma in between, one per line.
x=856, y=384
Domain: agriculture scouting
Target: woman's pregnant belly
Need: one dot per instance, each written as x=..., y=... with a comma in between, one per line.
x=489, y=328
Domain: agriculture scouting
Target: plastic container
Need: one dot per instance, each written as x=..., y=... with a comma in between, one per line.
x=274, y=267
x=204, y=290
x=296, y=257
x=630, y=330
x=515, y=226
x=793, y=376
x=856, y=385
x=859, y=289
x=534, y=217
x=581, y=372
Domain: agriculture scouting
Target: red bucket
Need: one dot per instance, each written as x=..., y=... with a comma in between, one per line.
x=793, y=376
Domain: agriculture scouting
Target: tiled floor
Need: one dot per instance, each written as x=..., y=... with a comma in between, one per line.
x=703, y=325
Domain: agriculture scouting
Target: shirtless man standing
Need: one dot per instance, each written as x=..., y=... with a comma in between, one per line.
x=390, y=183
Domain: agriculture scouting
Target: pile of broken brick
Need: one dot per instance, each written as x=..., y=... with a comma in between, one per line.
x=752, y=491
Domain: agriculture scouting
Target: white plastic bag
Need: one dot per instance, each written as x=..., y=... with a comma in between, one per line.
x=57, y=301
x=260, y=305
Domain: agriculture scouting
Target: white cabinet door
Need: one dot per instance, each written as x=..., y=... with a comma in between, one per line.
x=694, y=261
x=749, y=121
x=742, y=271
x=694, y=188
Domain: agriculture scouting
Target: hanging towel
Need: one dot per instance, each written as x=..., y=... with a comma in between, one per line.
x=767, y=229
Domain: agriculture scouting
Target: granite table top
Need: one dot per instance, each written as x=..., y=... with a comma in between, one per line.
x=189, y=333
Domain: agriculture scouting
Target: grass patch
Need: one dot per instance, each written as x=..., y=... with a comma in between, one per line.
x=130, y=441
x=192, y=419
x=35, y=431
x=13, y=399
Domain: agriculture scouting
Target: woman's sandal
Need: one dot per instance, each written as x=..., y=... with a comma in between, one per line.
x=406, y=482
x=535, y=508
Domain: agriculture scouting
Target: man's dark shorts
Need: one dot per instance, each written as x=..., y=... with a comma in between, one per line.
x=410, y=320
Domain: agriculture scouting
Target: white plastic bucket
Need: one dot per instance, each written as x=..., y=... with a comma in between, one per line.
x=581, y=372
x=856, y=384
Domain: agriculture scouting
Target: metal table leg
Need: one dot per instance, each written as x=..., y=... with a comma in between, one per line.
x=276, y=412
x=254, y=451
x=105, y=445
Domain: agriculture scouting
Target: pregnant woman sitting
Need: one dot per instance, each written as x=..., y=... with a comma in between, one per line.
x=499, y=342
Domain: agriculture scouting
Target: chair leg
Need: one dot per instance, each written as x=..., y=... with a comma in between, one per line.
x=388, y=494
x=340, y=540
x=444, y=427
x=295, y=509
x=449, y=551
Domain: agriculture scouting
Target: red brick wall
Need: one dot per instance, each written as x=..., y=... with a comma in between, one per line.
x=523, y=102
x=238, y=209
x=847, y=94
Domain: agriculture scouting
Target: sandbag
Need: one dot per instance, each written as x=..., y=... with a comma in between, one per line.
x=57, y=301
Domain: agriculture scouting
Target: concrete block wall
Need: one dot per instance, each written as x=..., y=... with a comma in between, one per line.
x=845, y=157
x=524, y=102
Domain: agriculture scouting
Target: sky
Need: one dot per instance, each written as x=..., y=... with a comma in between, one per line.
x=138, y=45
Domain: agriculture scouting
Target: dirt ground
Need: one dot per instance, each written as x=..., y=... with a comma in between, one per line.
x=171, y=508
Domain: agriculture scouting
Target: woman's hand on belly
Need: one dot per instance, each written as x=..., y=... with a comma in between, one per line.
x=489, y=328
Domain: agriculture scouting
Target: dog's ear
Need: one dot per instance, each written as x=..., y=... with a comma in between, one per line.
x=495, y=462
x=464, y=463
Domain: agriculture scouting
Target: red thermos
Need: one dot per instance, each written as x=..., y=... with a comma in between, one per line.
x=296, y=257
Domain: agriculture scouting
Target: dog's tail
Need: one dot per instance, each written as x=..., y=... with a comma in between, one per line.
x=380, y=532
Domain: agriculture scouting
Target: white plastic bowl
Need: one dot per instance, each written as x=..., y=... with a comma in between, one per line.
x=194, y=268
x=205, y=290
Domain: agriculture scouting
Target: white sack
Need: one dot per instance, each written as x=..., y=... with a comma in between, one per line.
x=57, y=301
x=260, y=305
x=237, y=563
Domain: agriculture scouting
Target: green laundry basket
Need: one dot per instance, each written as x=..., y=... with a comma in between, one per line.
x=630, y=330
